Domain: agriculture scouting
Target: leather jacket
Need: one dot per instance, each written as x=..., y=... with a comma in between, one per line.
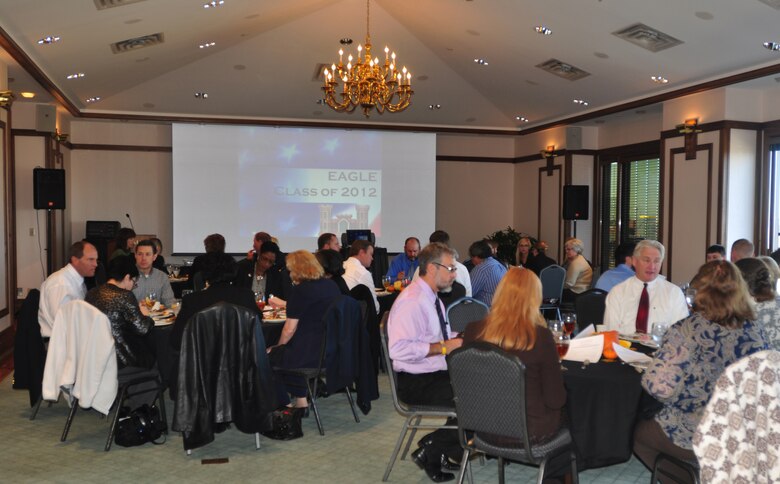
x=224, y=375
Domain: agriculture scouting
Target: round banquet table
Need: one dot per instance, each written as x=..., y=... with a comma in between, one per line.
x=603, y=402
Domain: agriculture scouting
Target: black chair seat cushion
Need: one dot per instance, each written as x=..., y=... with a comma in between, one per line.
x=512, y=449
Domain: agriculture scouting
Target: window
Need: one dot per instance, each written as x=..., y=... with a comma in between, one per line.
x=629, y=204
x=772, y=235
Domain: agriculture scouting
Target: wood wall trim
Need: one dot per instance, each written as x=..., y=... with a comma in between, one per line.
x=8, y=232
x=476, y=159
x=7, y=337
x=100, y=147
x=669, y=246
x=28, y=132
x=662, y=191
x=543, y=172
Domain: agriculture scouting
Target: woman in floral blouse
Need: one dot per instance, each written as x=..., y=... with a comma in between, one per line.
x=694, y=353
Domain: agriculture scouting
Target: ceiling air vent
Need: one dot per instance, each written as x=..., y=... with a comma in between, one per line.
x=562, y=69
x=772, y=3
x=647, y=37
x=137, y=43
x=104, y=4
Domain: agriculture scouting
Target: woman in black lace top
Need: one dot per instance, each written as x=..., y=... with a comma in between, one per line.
x=131, y=325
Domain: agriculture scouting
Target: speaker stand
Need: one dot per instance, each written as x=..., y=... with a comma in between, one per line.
x=574, y=228
x=49, y=242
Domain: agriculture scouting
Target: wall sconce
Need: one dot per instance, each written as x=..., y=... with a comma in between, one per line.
x=6, y=99
x=689, y=129
x=61, y=137
x=549, y=155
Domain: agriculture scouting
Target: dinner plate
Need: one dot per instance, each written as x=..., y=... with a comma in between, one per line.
x=279, y=317
x=164, y=319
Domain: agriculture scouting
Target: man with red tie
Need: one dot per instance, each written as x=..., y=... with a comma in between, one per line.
x=639, y=301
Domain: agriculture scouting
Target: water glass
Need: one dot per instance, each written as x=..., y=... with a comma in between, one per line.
x=175, y=270
x=386, y=282
x=657, y=332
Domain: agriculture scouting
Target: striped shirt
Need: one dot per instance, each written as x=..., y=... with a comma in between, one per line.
x=484, y=279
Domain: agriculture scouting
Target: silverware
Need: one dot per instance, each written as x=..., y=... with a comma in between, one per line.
x=585, y=364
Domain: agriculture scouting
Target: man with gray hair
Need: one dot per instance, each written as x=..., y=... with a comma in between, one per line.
x=639, y=301
x=741, y=249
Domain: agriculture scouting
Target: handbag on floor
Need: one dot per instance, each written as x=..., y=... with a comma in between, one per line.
x=139, y=426
x=285, y=424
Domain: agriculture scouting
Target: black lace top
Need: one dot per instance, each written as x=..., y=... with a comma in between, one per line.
x=130, y=328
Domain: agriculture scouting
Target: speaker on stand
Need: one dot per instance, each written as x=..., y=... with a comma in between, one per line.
x=49, y=194
x=575, y=203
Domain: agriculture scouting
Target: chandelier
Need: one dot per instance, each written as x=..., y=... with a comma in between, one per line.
x=367, y=83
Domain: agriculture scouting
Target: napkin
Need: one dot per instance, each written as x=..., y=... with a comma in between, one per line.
x=582, y=349
x=630, y=356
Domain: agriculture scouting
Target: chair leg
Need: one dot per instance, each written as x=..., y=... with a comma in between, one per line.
x=257, y=440
x=313, y=399
x=417, y=421
x=69, y=421
x=37, y=407
x=501, y=476
x=463, y=464
x=161, y=405
x=115, y=421
x=352, y=405
x=397, y=448
x=575, y=479
x=542, y=470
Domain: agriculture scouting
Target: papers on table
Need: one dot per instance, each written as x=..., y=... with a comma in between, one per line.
x=585, y=332
x=585, y=348
x=632, y=357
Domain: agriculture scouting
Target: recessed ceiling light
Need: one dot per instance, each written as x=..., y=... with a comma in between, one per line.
x=214, y=4
x=202, y=95
x=434, y=106
x=541, y=29
x=601, y=55
x=772, y=45
x=581, y=102
x=704, y=15
x=345, y=41
x=659, y=79
x=93, y=99
x=207, y=45
x=522, y=119
x=27, y=95
x=481, y=62
x=76, y=75
x=49, y=39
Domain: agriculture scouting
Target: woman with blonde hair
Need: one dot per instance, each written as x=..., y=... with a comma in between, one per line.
x=299, y=344
x=516, y=325
x=694, y=353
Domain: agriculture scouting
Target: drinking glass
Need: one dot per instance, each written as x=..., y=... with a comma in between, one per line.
x=406, y=281
x=569, y=323
x=260, y=300
x=658, y=331
x=560, y=337
x=169, y=267
x=387, y=282
x=176, y=269
x=151, y=298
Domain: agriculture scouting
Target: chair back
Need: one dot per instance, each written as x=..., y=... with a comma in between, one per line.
x=340, y=357
x=589, y=307
x=29, y=349
x=399, y=406
x=489, y=388
x=464, y=311
x=457, y=292
x=198, y=281
x=552, y=278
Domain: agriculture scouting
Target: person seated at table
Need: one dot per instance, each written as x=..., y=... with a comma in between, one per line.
x=516, y=325
x=328, y=241
x=257, y=241
x=624, y=267
x=774, y=270
x=361, y=254
x=639, y=301
x=694, y=353
x=125, y=243
x=301, y=338
x=715, y=252
x=219, y=270
x=262, y=274
x=523, y=255
x=540, y=258
x=212, y=243
x=333, y=265
x=131, y=325
x=741, y=249
x=159, y=261
x=404, y=265
x=761, y=285
x=579, y=274
x=150, y=280
x=487, y=271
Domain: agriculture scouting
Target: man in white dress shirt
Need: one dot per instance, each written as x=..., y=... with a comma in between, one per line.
x=67, y=284
x=361, y=253
x=666, y=301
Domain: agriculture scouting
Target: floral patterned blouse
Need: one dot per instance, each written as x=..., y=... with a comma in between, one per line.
x=684, y=370
x=768, y=318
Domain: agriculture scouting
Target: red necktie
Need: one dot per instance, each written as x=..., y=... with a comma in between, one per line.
x=643, y=311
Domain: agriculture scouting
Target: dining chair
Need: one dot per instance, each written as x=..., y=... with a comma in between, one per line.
x=81, y=364
x=413, y=413
x=552, y=278
x=342, y=315
x=464, y=311
x=489, y=388
x=589, y=307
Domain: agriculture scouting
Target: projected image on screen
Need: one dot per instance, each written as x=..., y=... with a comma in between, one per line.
x=297, y=183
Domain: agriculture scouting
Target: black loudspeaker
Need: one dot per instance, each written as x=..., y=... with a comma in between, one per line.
x=48, y=189
x=575, y=202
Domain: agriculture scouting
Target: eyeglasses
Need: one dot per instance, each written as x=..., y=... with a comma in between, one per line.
x=135, y=282
x=449, y=269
